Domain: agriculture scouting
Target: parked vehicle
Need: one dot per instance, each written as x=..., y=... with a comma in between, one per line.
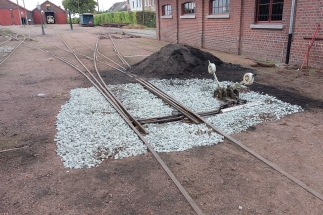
x=50, y=19
x=87, y=19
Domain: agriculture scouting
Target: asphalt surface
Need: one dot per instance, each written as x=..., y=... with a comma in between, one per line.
x=147, y=33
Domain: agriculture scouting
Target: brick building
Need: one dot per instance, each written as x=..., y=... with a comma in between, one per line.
x=52, y=14
x=9, y=14
x=260, y=29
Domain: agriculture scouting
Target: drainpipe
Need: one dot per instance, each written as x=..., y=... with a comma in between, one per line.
x=177, y=23
x=290, y=34
x=240, y=29
x=202, y=24
x=158, y=18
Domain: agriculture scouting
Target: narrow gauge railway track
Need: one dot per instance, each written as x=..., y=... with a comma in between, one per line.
x=114, y=102
x=272, y=165
x=2, y=61
x=196, y=116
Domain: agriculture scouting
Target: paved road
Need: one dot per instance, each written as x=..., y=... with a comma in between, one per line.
x=148, y=33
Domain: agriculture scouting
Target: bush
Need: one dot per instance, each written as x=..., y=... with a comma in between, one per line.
x=118, y=17
x=98, y=19
x=74, y=20
x=147, y=18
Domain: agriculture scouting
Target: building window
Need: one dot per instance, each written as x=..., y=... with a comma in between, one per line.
x=270, y=10
x=138, y=3
x=188, y=8
x=167, y=10
x=219, y=6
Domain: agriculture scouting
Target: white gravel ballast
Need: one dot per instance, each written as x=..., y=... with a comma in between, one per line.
x=89, y=130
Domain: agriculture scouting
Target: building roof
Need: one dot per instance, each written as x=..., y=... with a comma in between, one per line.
x=6, y=4
x=119, y=6
x=44, y=4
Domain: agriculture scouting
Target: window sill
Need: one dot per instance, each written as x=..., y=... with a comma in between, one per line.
x=218, y=16
x=166, y=17
x=267, y=26
x=188, y=16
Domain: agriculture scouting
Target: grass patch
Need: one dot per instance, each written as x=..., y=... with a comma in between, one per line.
x=6, y=145
x=312, y=70
x=8, y=32
x=146, y=42
x=266, y=61
x=134, y=26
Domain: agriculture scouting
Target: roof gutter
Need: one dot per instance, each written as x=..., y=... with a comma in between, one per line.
x=290, y=33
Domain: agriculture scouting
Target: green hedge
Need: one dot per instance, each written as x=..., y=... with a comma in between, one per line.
x=149, y=18
x=146, y=18
x=74, y=20
x=119, y=17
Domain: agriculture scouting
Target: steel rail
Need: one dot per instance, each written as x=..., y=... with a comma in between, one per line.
x=12, y=51
x=165, y=95
x=176, y=117
x=15, y=149
x=112, y=99
x=171, y=102
x=134, y=47
x=73, y=52
x=116, y=50
x=135, y=56
x=160, y=93
x=88, y=57
x=141, y=137
x=92, y=82
x=274, y=166
x=116, y=100
x=264, y=160
x=167, y=170
x=111, y=95
x=98, y=52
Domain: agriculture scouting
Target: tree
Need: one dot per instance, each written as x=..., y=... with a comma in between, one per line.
x=79, y=6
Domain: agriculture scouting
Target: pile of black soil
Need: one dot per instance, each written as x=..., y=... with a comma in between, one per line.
x=176, y=61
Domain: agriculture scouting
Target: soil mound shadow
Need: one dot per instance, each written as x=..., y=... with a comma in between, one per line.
x=175, y=60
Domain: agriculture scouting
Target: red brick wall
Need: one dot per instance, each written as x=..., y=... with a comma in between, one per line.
x=168, y=27
x=7, y=7
x=234, y=34
x=5, y=17
x=190, y=30
x=222, y=34
x=309, y=13
x=266, y=44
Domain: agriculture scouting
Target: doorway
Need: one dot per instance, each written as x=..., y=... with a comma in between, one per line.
x=50, y=18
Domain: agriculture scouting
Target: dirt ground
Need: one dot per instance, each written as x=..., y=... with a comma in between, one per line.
x=219, y=178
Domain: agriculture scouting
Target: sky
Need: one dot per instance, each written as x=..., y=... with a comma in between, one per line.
x=31, y=4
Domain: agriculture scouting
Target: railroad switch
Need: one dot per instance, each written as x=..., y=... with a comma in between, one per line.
x=230, y=94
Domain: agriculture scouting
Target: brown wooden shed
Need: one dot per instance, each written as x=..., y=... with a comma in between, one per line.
x=9, y=13
x=53, y=14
